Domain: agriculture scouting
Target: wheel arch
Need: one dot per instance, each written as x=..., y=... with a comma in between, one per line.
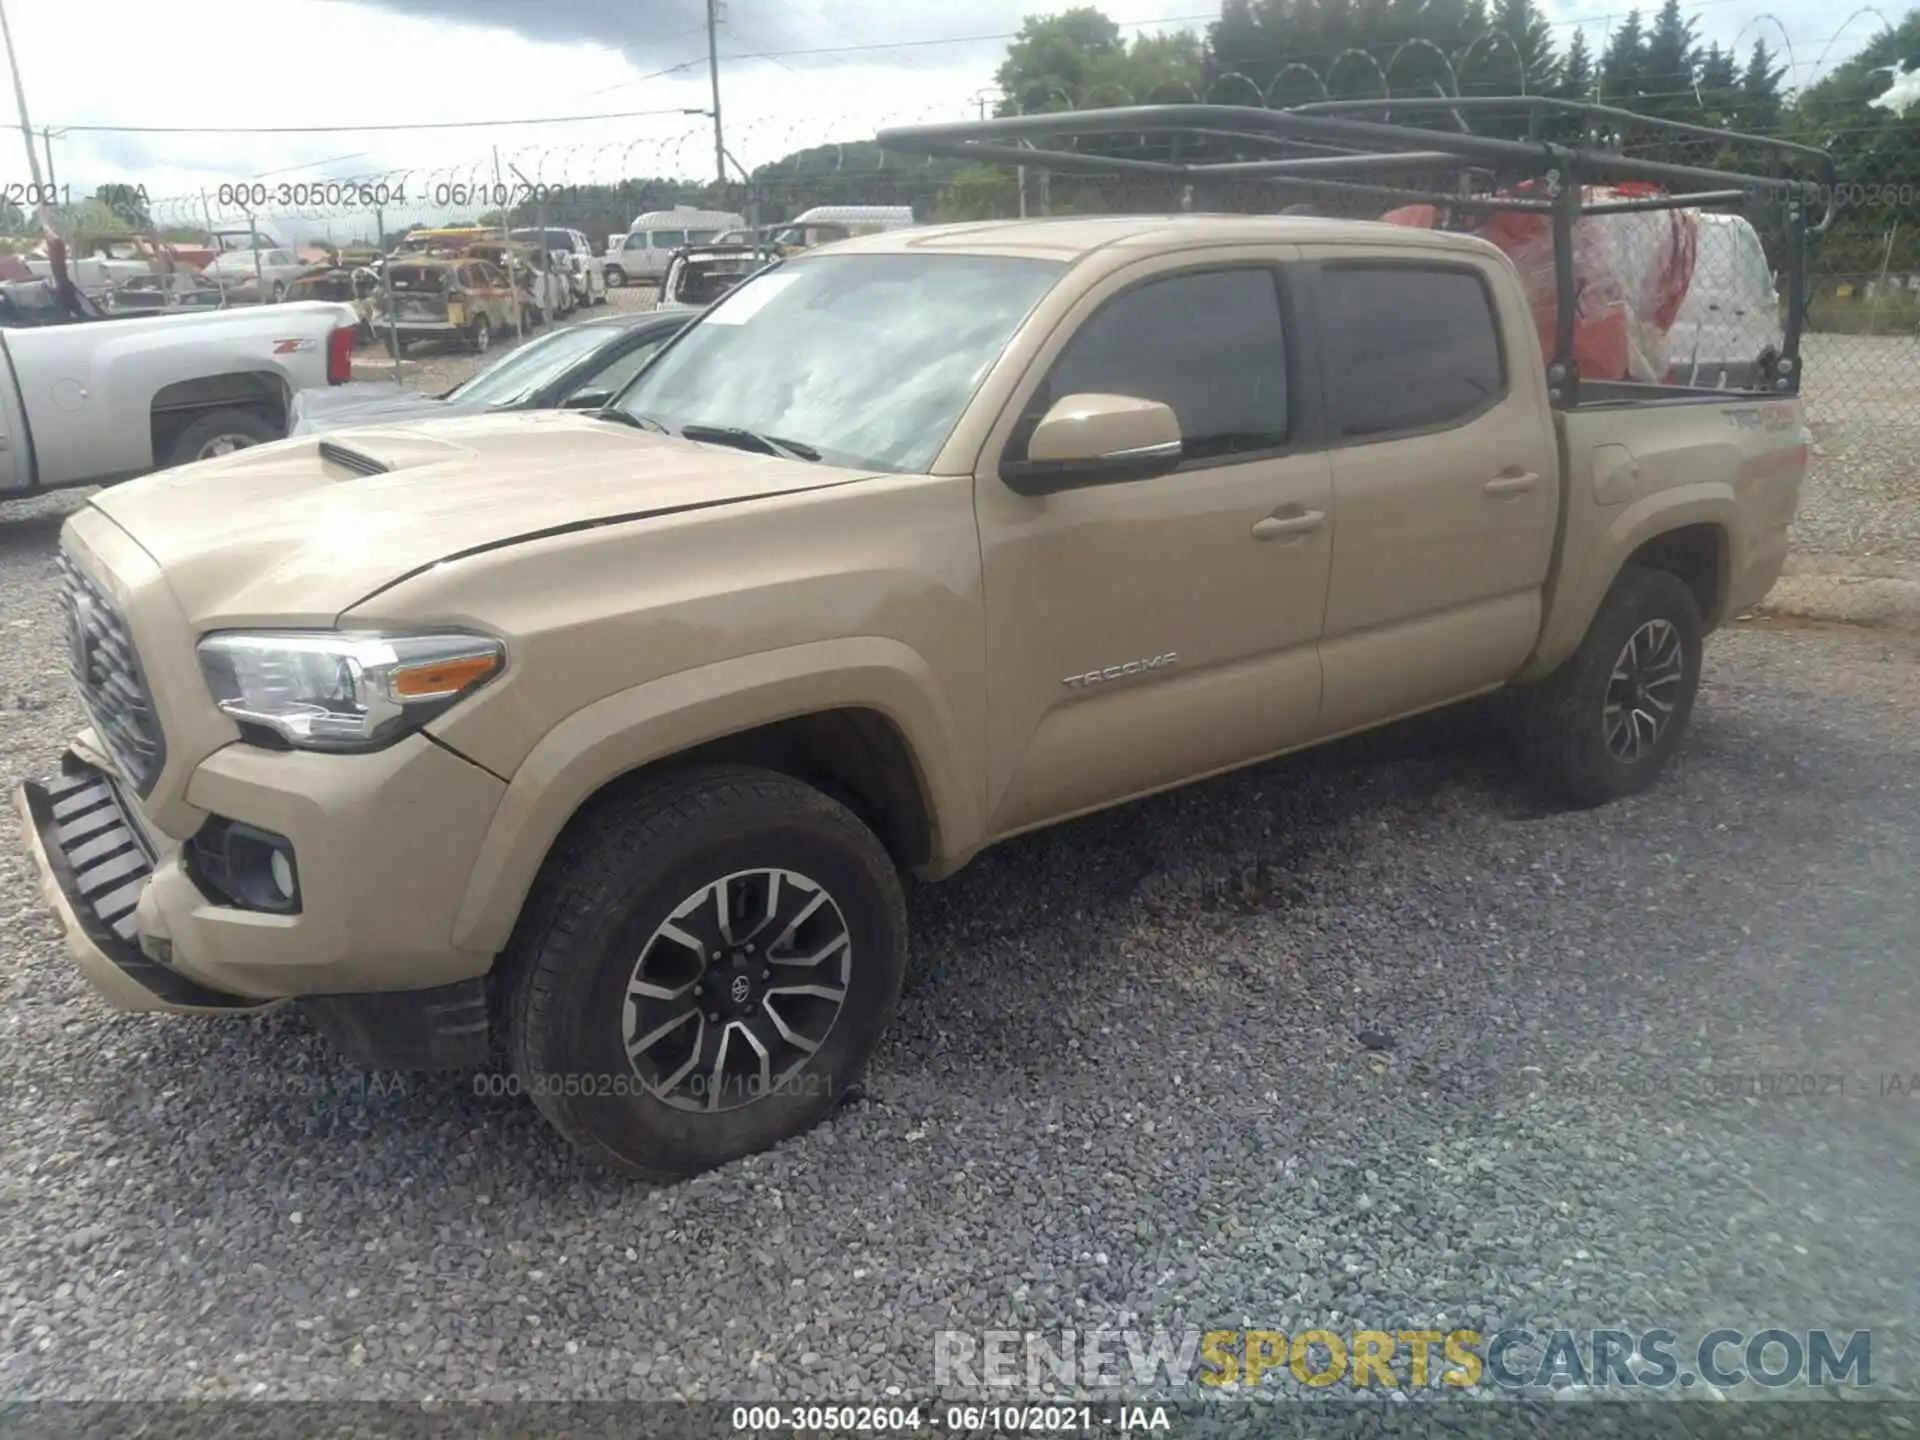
x=174, y=407
x=873, y=734
x=1689, y=532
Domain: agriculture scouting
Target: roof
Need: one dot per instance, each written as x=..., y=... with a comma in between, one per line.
x=1073, y=237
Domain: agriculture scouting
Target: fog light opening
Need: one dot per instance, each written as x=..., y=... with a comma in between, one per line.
x=244, y=866
x=282, y=870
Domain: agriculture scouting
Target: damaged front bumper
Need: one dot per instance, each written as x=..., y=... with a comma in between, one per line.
x=95, y=859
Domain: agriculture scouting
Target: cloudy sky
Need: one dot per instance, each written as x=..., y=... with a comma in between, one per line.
x=793, y=73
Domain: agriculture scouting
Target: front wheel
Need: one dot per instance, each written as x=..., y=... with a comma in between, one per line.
x=480, y=335
x=702, y=970
x=616, y=277
x=1604, y=724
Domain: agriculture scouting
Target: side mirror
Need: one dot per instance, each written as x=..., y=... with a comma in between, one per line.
x=587, y=400
x=1096, y=440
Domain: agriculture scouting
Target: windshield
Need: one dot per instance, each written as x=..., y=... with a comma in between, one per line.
x=518, y=374
x=868, y=359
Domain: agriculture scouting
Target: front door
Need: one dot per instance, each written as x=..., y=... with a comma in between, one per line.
x=1143, y=633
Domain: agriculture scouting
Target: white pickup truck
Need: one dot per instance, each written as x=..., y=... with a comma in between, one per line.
x=96, y=401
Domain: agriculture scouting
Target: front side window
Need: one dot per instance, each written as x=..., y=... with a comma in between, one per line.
x=868, y=359
x=1409, y=347
x=1209, y=344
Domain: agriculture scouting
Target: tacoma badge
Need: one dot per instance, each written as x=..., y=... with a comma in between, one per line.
x=1120, y=672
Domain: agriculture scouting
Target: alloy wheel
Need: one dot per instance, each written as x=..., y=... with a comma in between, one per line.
x=1642, y=690
x=736, y=989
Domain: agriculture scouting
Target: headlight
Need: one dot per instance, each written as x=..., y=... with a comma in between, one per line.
x=327, y=690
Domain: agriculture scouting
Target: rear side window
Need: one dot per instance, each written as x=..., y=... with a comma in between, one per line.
x=1408, y=347
x=1208, y=344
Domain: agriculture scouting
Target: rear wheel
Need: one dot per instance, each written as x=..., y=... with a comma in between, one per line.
x=1604, y=724
x=702, y=970
x=220, y=432
x=616, y=277
x=480, y=335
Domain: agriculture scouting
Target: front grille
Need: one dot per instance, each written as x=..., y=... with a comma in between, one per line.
x=106, y=669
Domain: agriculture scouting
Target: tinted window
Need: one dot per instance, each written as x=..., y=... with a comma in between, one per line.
x=1407, y=348
x=1208, y=344
x=669, y=239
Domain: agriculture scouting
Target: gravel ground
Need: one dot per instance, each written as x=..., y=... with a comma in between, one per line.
x=1128, y=1085
x=1360, y=1039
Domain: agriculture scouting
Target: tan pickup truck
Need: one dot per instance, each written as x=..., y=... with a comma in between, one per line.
x=612, y=733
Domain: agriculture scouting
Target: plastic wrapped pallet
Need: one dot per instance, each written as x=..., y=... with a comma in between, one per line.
x=1631, y=271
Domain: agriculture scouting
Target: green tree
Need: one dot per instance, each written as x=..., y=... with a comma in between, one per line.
x=1577, y=74
x=1876, y=153
x=1673, y=59
x=1078, y=58
x=1760, y=100
x=1522, y=23
x=1623, y=69
x=1719, y=87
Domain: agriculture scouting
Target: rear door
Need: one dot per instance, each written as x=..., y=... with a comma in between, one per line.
x=1143, y=633
x=1445, y=478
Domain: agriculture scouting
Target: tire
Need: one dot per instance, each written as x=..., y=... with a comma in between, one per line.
x=480, y=335
x=239, y=428
x=616, y=277
x=595, y=920
x=1582, y=736
x=279, y=291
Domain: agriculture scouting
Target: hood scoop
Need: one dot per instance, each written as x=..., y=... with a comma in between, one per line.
x=350, y=459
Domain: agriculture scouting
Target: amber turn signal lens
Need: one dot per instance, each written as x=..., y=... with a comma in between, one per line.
x=438, y=678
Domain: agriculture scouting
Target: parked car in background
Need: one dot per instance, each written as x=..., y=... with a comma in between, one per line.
x=1730, y=315
x=701, y=274
x=576, y=367
x=250, y=276
x=459, y=300
x=586, y=270
x=96, y=402
x=181, y=291
x=539, y=275
x=824, y=224
x=648, y=246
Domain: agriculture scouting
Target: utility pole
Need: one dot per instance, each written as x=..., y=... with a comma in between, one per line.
x=713, y=73
x=20, y=97
x=46, y=139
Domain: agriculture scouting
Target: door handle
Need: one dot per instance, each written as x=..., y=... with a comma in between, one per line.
x=1502, y=486
x=1274, y=526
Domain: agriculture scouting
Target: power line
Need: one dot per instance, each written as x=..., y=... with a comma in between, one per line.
x=371, y=129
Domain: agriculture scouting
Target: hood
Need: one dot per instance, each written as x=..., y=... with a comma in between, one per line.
x=288, y=534
x=365, y=403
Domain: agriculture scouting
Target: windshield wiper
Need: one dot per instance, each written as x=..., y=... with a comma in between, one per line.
x=742, y=439
x=627, y=417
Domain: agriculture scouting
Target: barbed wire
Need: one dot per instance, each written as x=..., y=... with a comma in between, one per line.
x=566, y=178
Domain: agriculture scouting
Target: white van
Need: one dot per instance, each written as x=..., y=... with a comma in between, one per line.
x=1731, y=311
x=649, y=243
x=826, y=223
